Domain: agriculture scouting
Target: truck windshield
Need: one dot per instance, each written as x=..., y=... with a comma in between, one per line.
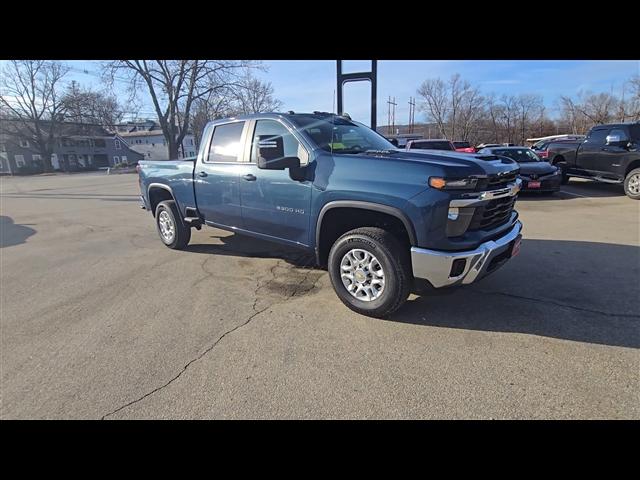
x=519, y=155
x=340, y=135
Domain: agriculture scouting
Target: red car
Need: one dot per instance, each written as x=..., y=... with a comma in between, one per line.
x=464, y=147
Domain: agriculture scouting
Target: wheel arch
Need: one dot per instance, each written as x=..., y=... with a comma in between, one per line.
x=329, y=210
x=158, y=192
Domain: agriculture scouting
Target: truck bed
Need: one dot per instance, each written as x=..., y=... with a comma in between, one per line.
x=176, y=174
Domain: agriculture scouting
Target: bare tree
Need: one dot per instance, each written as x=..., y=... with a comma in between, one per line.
x=217, y=105
x=31, y=98
x=255, y=96
x=83, y=105
x=435, y=102
x=174, y=86
x=530, y=108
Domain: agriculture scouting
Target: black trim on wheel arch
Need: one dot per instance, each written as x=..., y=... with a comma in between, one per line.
x=376, y=207
x=173, y=197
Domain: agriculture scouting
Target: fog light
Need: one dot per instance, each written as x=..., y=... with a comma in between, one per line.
x=458, y=267
x=453, y=213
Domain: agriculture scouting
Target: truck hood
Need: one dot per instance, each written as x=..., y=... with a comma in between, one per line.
x=455, y=164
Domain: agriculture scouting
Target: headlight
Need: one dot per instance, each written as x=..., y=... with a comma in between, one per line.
x=453, y=184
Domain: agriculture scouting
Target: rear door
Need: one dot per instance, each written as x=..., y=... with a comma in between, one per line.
x=216, y=175
x=274, y=202
x=591, y=155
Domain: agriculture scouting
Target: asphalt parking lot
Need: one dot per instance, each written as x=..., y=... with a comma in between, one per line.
x=100, y=320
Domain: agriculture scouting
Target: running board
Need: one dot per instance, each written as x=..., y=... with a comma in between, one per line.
x=607, y=180
x=595, y=179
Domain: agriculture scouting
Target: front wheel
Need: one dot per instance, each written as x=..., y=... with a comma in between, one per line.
x=370, y=270
x=632, y=184
x=173, y=232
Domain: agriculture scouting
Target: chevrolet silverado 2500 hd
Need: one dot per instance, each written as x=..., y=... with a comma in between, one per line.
x=381, y=219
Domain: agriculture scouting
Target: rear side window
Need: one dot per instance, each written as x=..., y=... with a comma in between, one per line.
x=635, y=132
x=225, y=144
x=598, y=136
x=431, y=145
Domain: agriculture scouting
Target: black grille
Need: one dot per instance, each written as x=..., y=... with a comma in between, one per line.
x=501, y=181
x=493, y=214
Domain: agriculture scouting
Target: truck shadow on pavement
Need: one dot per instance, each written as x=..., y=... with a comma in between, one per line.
x=569, y=290
x=13, y=233
x=579, y=291
x=249, y=247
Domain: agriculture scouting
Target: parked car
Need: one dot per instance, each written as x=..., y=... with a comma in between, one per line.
x=610, y=153
x=487, y=145
x=535, y=173
x=382, y=220
x=400, y=141
x=430, y=145
x=464, y=147
x=541, y=147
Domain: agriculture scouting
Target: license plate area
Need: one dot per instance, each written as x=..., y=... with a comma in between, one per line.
x=533, y=184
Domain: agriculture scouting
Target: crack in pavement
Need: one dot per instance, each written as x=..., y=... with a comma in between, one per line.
x=538, y=300
x=228, y=332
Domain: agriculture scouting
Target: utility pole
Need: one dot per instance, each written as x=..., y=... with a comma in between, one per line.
x=412, y=109
x=393, y=104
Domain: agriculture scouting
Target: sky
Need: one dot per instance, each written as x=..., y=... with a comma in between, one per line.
x=307, y=85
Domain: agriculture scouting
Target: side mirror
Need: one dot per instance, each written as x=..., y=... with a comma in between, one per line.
x=613, y=139
x=271, y=154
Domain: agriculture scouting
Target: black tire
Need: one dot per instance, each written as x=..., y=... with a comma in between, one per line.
x=395, y=260
x=635, y=173
x=564, y=178
x=181, y=232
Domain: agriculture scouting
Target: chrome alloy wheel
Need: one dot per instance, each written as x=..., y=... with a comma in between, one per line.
x=362, y=275
x=634, y=184
x=167, y=228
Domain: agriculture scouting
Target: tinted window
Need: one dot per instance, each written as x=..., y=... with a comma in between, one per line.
x=635, y=132
x=461, y=144
x=431, y=145
x=225, y=145
x=620, y=133
x=598, y=136
x=271, y=127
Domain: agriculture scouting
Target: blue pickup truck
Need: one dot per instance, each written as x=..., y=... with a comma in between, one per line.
x=385, y=222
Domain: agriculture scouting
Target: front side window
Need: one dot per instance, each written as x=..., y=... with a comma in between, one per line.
x=225, y=144
x=620, y=133
x=292, y=147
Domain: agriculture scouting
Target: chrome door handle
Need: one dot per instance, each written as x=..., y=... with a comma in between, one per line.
x=202, y=174
x=249, y=177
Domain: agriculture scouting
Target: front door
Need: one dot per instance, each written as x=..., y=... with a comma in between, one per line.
x=273, y=203
x=216, y=176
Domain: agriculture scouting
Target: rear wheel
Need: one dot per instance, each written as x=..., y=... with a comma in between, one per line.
x=370, y=270
x=173, y=232
x=632, y=184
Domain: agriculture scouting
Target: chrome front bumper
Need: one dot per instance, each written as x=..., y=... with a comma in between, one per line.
x=435, y=266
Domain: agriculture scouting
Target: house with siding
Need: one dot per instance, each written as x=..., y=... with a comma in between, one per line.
x=146, y=138
x=77, y=147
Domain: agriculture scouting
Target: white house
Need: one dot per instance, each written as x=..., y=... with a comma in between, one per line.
x=147, y=139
